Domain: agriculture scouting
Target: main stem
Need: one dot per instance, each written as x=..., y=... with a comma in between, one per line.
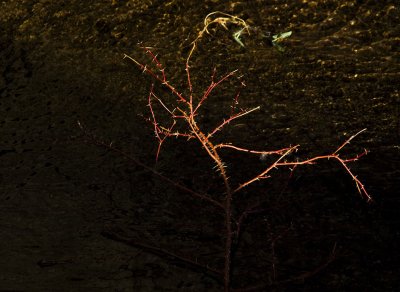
x=212, y=152
x=228, y=240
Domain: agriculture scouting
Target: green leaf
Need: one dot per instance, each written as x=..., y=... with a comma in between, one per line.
x=236, y=37
x=281, y=36
x=277, y=38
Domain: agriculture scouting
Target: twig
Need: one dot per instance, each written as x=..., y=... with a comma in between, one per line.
x=299, y=278
x=152, y=170
x=217, y=275
x=230, y=119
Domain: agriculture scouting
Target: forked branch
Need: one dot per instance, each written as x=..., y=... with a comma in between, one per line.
x=334, y=155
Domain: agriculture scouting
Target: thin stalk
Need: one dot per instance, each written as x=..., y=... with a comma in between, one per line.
x=228, y=241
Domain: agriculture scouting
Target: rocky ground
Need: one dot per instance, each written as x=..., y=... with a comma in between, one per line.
x=71, y=209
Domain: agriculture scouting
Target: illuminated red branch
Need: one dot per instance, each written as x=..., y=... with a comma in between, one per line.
x=359, y=185
x=357, y=157
x=189, y=81
x=263, y=153
x=348, y=140
x=235, y=103
x=162, y=133
x=212, y=86
x=160, y=101
x=334, y=155
x=163, y=80
x=158, y=64
x=263, y=174
x=157, y=129
x=154, y=121
x=230, y=119
x=154, y=58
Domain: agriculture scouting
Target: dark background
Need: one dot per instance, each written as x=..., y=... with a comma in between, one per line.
x=62, y=61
